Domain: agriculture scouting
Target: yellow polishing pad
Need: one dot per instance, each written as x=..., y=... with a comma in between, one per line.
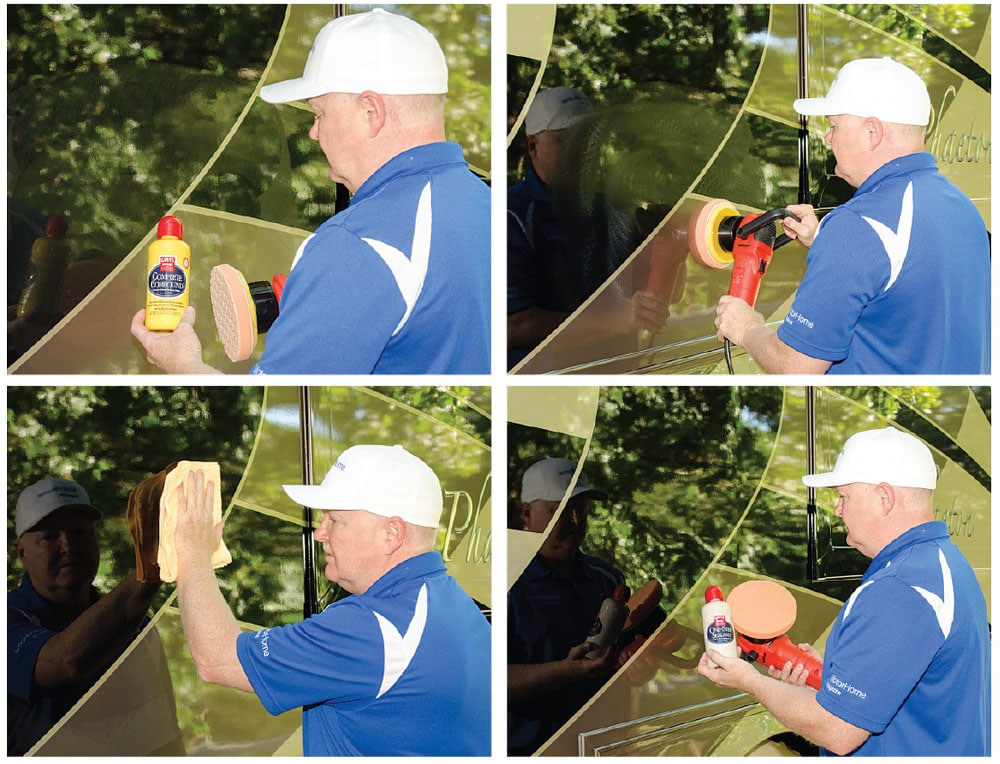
x=703, y=233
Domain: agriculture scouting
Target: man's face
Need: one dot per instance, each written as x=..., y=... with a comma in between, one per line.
x=848, y=138
x=860, y=507
x=350, y=541
x=566, y=537
x=338, y=127
x=60, y=555
x=544, y=149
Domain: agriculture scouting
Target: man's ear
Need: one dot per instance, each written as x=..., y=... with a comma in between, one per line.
x=525, y=513
x=887, y=495
x=875, y=132
x=395, y=533
x=375, y=111
x=532, y=146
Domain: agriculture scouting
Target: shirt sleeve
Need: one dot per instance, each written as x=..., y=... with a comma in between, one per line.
x=339, y=308
x=334, y=656
x=845, y=270
x=888, y=639
x=24, y=642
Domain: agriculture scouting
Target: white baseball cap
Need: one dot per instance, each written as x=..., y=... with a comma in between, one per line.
x=375, y=50
x=881, y=456
x=384, y=480
x=873, y=87
x=41, y=499
x=548, y=480
x=556, y=109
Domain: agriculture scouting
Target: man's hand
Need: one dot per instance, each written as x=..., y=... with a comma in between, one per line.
x=176, y=352
x=582, y=667
x=796, y=674
x=734, y=319
x=648, y=310
x=728, y=672
x=196, y=537
x=803, y=229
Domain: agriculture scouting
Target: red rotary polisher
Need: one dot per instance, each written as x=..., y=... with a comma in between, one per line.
x=763, y=612
x=243, y=310
x=719, y=236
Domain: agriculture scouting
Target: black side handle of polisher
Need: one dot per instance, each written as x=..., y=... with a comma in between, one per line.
x=764, y=219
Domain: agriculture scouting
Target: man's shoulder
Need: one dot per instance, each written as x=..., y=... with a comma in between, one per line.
x=598, y=567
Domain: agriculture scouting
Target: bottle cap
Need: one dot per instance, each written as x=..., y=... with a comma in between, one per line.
x=621, y=593
x=169, y=226
x=56, y=227
x=714, y=593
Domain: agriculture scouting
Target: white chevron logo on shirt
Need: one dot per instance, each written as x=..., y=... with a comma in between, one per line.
x=410, y=272
x=399, y=650
x=944, y=606
x=896, y=243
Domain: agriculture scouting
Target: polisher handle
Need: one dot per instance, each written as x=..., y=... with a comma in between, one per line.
x=750, y=260
x=779, y=651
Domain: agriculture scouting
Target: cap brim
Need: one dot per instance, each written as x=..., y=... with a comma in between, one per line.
x=318, y=497
x=824, y=480
x=813, y=107
x=287, y=91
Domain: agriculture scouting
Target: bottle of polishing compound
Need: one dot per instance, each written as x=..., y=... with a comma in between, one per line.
x=168, y=271
x=610, y=619
x=717, y=625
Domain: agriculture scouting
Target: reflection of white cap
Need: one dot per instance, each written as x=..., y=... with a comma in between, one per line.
x=41, y=499
x=549, y=479
x=384, y=480
x=556, y=109
x=881, y=456
x=377, y=50
x=873, y=87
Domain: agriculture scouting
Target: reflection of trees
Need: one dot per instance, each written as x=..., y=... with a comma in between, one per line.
x=113, y=110
x=109, y=439
x=670, y=55
x=681, y=465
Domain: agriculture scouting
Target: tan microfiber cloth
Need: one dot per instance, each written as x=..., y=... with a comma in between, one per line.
x=167, y=556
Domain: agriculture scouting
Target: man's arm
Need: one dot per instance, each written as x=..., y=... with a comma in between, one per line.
x=794, y=706
x=176, y=352
x=209, y=625
x=528, y=327
x=745, y=327
x=528, y=681
x=97, y=636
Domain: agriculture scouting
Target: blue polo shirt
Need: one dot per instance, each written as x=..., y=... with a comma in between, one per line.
x=547, y=614
x=898, y=279
x=401, y=670
x=908, y=658
x=32, y=711
x=397, y=283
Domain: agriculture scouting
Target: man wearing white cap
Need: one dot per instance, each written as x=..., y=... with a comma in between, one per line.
x=897, y=278
x=62, y=634
x=551, y=608
x=907, y=664
x=542, y=283
x=399, y=282
x=401, y=667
